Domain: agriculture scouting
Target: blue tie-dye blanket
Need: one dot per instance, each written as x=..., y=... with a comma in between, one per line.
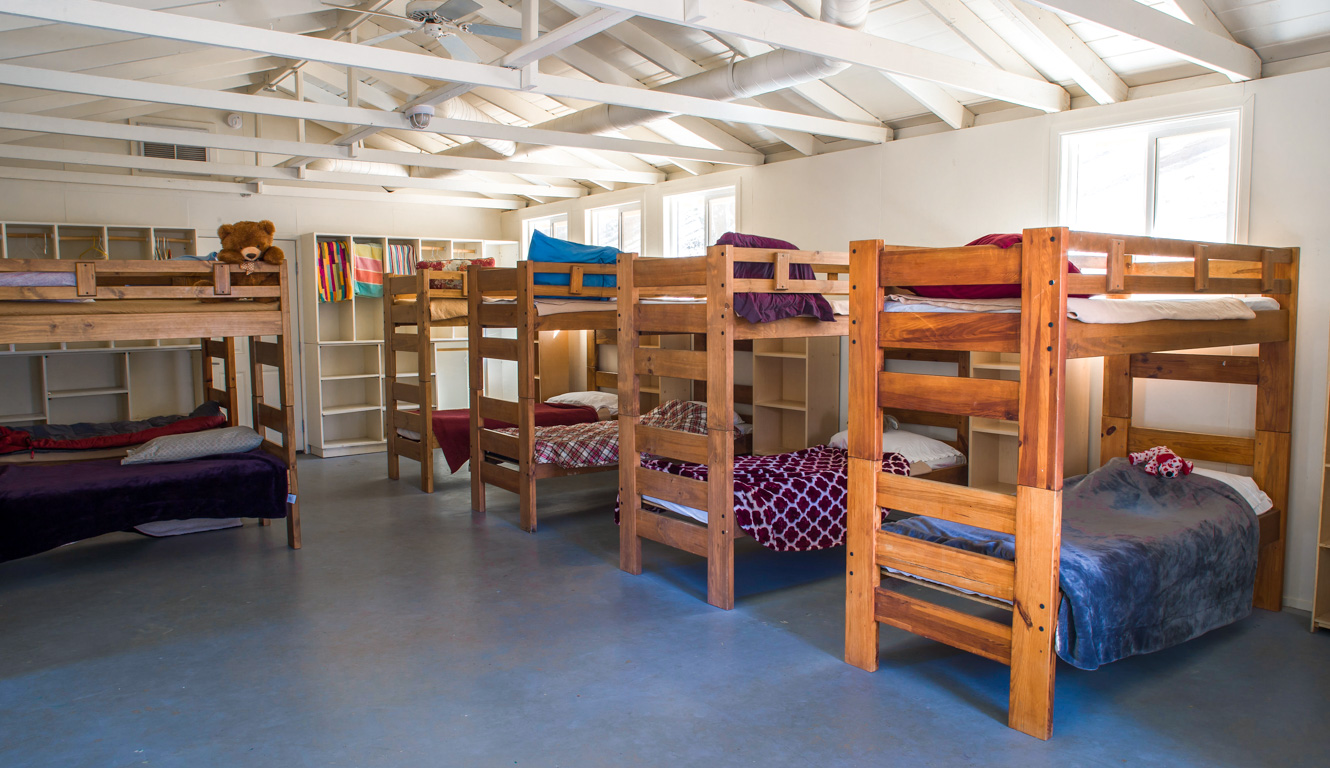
x=1147, y=562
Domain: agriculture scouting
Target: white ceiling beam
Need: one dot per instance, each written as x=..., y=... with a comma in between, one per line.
x=1198, y=12
x=271, y=173
x=936, y=100
x=136, y=90
x=1088, y=70
x=1190, y=41
x=787, y=30
x=249, y=190
x=981, y=37
x=341, y=32
x=100, y=130
x=156, y=24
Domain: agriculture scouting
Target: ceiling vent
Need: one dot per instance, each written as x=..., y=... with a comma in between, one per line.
x=174, y=151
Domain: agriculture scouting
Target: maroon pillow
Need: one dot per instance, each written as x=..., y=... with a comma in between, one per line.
x=1012, y=291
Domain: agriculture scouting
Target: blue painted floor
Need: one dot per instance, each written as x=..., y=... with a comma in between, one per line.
x=410, y=632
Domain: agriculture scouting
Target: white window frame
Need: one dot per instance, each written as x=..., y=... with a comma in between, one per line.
x=620, y=209
x=530, y=225
x=1232, y=119
x=671, y=203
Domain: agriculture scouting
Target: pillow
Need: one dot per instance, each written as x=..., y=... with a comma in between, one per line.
x=551, y=249
x=597, y=400
x=768, y=307
x=912, y=445
x=193, y=445
x=1245, y=486
x=987, y=291
x=451, y=265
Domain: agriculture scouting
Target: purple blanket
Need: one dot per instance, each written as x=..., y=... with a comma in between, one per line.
x=769, y=307
x=789, y=502
x=45, y=506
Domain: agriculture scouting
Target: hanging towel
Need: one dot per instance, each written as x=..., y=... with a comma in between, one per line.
x=401, y=260
x=333, y=276
x=367, y=269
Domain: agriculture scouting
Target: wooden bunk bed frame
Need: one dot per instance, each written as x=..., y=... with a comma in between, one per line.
x=1045, y=339
x=406, y=328
x=711, y=278
x=494, y=453
x=128, y=290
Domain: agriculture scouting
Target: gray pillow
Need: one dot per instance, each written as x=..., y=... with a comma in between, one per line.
x=192, y=445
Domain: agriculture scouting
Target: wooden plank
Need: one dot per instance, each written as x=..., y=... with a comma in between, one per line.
x=1137, y=284
x=503, y=477
x=672, y=488
x=863, y=517
x=1270, y=469
x=475, y=383
x=1101, y=340
x=411, y=449
x=267, y=353
x=405, y=392
x=497, y=315
x=1093, y=242
x=1268, y=271
x=924, y=418
x=576, y=321
x=957, y=504
x=528, y=372
x=1043, y=359
x=404, y=419
x=1117, y=386
x=970, y=265
x=1193, y=445
x=953, y=567
x=501, y=444
x=1274, y=392
x=496, y=348
x=760, y=285
x=630, y=409
x=1200, y=267
x=819, y=260
x=671, y=443
x=135, y=267
x=493, y=280
x=1225, y=369
x=979, y=332
x=113, y=292
x=680, y=534
x=993, y=398
x=271, y=418
x=1116, y=277
x=671, y=363
x=1113, y=432
x=926, y=355
x=791, y=328
x=506, y=411
x=568, y=268
x=981, y=637
x=221, y=280
x=214, y=394
x=719, y=488
x=1034, y=611
x=24, y=329
x=671, y=318
x=214, y=348
x=688, y=272
x=780, y=273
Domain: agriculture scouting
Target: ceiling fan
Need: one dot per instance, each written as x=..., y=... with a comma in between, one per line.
x=439, y=21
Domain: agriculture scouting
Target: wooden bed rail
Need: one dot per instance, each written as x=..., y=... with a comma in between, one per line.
x=683, y=277
x=139, y=279
x=1045, y=339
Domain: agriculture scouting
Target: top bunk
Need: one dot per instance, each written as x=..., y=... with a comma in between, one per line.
x=687, y=295
x=544, y=296
x=1114, y=270
x=431, y=297
x=43, y=300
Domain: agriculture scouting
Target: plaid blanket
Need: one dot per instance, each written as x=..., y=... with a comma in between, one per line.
x=789, y=502
x=596, y=444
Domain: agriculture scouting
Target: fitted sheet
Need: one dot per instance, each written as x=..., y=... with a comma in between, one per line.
x=1102, y=310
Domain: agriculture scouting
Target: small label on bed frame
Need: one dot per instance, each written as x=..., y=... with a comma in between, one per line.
x=290, y=498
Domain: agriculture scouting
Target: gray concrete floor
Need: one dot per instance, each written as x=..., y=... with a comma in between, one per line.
x=411, y=632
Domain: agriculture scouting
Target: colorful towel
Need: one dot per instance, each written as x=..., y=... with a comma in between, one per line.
x=334, y=275
x=401, y=259
x=367, y=269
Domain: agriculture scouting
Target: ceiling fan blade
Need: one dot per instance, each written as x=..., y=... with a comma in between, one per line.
x=456, y=9
x=491, y=30
x=458, y=48
x=389, y=36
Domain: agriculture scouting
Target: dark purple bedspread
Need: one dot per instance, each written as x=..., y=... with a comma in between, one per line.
x=45, y=506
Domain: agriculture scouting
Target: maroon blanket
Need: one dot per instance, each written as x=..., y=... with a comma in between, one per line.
x=453, y=428
x=789, y=502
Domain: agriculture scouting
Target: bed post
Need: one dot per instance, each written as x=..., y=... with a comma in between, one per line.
x=1115, y=422
x=287, y=373
x=720, y=427
x=1274, y=421
x=862, y=576
x=527, y=392
x=1039, y=479
x=476, y=381
x=630, y=546
x=424, y=380
x=390, y=379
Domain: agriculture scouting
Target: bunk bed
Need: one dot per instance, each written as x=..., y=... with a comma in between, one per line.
x=684, y=496
x=44, y=301
x=1031, y=525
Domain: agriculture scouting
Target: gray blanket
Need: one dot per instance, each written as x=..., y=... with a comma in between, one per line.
x=1147, y=562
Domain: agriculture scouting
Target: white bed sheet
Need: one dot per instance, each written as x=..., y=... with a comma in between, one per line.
x=1102, y=310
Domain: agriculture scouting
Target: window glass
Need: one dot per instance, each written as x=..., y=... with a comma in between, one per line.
x=1191, y=186
x=696, y=220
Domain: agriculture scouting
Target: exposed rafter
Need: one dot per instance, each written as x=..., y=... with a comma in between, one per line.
x=1088, y=70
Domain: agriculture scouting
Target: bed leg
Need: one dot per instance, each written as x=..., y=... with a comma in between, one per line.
x=293, y=513
x=862, y=575
x=1034, y=614
x=527, y=498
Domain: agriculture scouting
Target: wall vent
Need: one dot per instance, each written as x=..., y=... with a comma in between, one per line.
x=174, y=151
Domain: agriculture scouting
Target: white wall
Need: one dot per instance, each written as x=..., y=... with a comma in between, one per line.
x=948, y=188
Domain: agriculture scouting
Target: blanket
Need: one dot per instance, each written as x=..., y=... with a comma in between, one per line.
x=789, y=502
x=1147, y=562
x=43, y=507
x=111, y=434
x=452, y=428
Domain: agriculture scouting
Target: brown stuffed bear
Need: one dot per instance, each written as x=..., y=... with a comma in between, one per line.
x=248, y=242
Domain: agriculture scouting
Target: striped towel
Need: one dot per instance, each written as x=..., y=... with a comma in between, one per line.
x=332, y=271
x=401, y=260
x=367, y=269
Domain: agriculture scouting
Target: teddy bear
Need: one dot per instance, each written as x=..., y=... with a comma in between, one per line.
x=248, y=243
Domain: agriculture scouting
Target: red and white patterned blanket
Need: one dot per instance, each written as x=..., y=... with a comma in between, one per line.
x=789, y=502
x=596, y=444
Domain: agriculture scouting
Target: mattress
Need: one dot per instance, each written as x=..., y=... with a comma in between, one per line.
x=132, y=307
x=440, y=309
x=1102, y=310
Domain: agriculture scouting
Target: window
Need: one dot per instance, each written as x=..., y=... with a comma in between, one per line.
x=696, y=220
x=554, y=226
x=1173, y=178
x=618, y=226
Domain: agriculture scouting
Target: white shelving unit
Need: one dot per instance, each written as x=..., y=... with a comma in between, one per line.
x=1321, y=593
x=65, y=382
x=993, y=442
x=343, y=346
x=796, y=393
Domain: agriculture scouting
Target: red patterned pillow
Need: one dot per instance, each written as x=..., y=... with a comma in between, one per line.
x=452, y=265
x=986, y=291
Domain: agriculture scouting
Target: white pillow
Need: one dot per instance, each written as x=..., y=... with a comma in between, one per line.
x=912, y=445
x=1245, y=486
x=597, y=400
x=193, y=445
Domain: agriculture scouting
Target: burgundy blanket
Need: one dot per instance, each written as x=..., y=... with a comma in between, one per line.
x=769, y=307
x=45, y=506
x=111, y=434
x=789, y=502
x=453, y=428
